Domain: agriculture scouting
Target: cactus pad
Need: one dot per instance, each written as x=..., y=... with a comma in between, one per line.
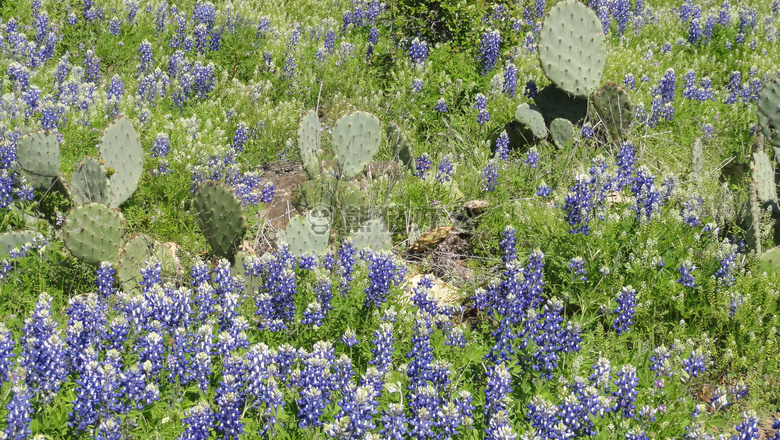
x=121, y=150
x=132, y=258
x=615, y=109
x=93, y=233
x=89, y=183
x=38, y=155
x=220, y=217
x=373, y=234
x=572, y=48
x=764, y=178
x=309, y=232
x=356, y=138
x=309, y=143
x=530, y=116
x=14, y=239
x=697, y=157
x=554, y=103
x=769, y=112
x=562, y=132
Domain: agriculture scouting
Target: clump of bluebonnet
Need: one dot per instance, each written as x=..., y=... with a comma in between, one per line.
x=383, y=271
x=686, y=278
x=441, y=106
x=625, y=311
x=502, y=146
x=445, y=169
x=532, y=157
x=417, y=86
x=418, y=52
x=691, y=211
x=543, y=190
x=577, y=269
x=490, y=176
x=480, y=103
x=489, y=50
x=694, y=365
x=422, y=164
x=510, y=79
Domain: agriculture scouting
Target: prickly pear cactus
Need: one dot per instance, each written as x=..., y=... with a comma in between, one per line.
x=615, y=109
x=769, y=112
x=38, y=155
x=93, y=233
x=555, y=103
x=562, y=132
x=121, y=150
x=133, y=256
x=14, y=239
x=220, y=217
x=403, y=150
x=309, y=143
x=309, y=232
x=754, y=228
x=89, y=183
x=572, y=48
x=356, y=138
x=373, y=234
x=697, y=157
x=764, y=178
x=529, y=116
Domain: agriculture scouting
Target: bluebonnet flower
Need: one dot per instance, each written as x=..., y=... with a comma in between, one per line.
x=490, y=176
x=383, y=271
x=532, y=157
x=739, y=390
x=708, y=130
x=543, y=190
x=480, y=104
x=145, y=58
x=382, y=347
x=483, y=116
x=502, y=146
x=91, y=67
x=417, y=86
x=734, y=87
x=510, y=79
x=394, y=422
x=626, y=302
x=577, y=268
x=531, y=91
x=542, y=415
x=587, y=131
x=349, y=338
x=665, y=86
x=43, y=352
x=346, y=256
x=355, y=419
x=441, y=106
x=418, y=52
x=228, y=419
x=240, y=137
x=445, y=169
x=629, y=82
x=151, y=274
x=199, y=421
x=508, y=244
x=776, y=422
x=7, y=345
x=694, y=365
x=19, y=409
x=105, y=280
x=735, y=301
x=748, y=428
x=499, y=427
x=489, y=50
x=690, y=211
x=578, y=205
x=686, y=279
x=422, y=164
x=648, y=199
x=497, y=391
x=419, y=369
x=625, y=394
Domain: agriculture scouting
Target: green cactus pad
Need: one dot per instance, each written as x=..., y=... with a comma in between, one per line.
x=38, y=155
x=89, y=183
x=771, y=257
x=554, y=103
x=403, y=150
x=769, y=112
x=764, y=178
x=220, y=217
x=121, y=150
x=615, y=109
x=309, y=232
x=697, y=157
x=14, y=239
x=562, y=133
x=529, y=116
x=309, y=143
x=132, y=258
x=572, y=48
x=373, y=234
x=356, y=138
x=93, y=233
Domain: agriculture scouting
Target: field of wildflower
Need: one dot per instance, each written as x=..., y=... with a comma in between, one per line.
x=413, y=219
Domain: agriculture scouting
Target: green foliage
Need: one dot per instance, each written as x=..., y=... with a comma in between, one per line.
x=439, y=21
